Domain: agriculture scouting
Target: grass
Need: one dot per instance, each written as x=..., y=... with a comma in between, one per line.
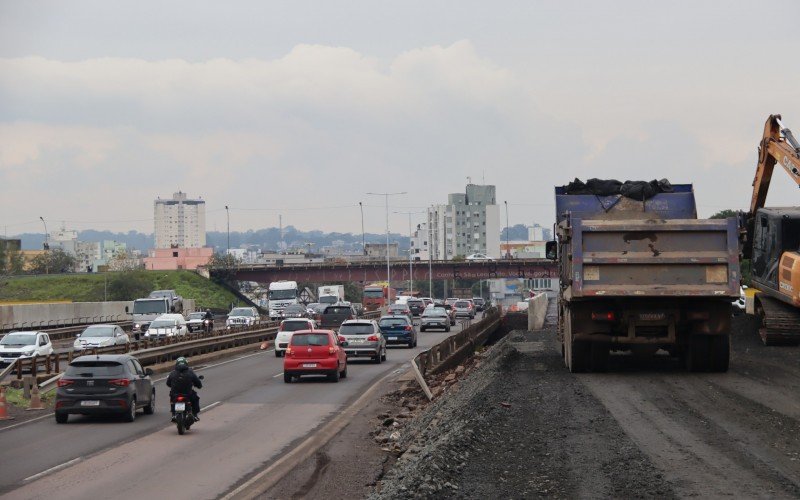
x=14, y=397
x=91, y=288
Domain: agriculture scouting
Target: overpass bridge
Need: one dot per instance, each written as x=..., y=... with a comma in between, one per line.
x=374, y=271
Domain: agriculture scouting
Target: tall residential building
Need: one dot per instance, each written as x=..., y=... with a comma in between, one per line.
x=180, y=222
x=469, y=223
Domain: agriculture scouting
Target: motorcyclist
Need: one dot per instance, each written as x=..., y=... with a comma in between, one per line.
x=182, y=380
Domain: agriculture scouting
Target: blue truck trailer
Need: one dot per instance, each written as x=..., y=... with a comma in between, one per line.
x=642, y=275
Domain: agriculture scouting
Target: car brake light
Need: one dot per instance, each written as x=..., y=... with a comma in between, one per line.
x=332, y=350
x=407, y=328
x=64, y=382
x=289, y=351
x=121, y=382
x=372, y=338
x=603, y=316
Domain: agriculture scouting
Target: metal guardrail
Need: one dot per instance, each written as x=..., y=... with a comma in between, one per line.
x=72, y=325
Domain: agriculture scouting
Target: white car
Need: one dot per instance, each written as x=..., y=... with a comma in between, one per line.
x=242, y=316
x=100, y=336
x=167, y=325
x=478, y=256
x=17, y=345
x=285, y=330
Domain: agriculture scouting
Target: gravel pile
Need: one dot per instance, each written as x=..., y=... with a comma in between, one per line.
x=518, y=426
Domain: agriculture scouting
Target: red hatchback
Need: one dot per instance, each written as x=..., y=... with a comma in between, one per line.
x=315, y=352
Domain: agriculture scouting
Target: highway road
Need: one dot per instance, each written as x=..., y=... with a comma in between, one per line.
x=255, y=418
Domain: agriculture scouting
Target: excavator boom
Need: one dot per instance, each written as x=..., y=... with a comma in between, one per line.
x=778, y=145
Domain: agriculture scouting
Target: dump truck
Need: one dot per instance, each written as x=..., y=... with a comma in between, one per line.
x=640, y=272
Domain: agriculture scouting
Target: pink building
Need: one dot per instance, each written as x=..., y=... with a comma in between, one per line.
x=164, y=259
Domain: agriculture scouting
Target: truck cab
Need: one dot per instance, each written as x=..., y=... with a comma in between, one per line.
x=281, y=294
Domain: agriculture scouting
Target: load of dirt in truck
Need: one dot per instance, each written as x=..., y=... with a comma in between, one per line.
x=637, y=190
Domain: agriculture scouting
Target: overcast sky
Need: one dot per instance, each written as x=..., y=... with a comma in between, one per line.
x=300, y=108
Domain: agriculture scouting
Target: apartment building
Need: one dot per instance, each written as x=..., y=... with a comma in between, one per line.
x=180, y=222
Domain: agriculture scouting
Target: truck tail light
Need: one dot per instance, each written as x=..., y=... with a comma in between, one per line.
x=120, y=382
x=603, y=316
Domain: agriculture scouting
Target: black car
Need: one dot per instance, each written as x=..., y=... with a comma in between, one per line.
x=295, y=311
x=480, y=303
x=417, y=306
x=105, y=384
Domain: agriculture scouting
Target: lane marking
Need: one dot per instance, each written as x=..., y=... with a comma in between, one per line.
x=203, y=367
x=278, y=375
x=26, y=422
x=52, y=469
x=202, y=410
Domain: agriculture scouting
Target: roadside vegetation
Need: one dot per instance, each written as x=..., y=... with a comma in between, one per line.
x=124, y=285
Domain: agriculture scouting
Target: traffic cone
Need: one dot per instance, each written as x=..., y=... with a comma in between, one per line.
x=36, y=401
x=3, y=411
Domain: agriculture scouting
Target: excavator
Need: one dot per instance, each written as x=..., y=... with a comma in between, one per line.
x=772, y=240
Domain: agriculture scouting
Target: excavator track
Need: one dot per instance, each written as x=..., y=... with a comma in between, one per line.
x=780, y=323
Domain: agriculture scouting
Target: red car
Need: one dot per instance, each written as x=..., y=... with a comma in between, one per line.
x=315, y=352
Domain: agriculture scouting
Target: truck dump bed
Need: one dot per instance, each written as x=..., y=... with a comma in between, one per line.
x=655, y=247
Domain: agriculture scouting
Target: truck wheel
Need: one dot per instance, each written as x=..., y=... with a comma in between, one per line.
x=720, y=352
x=698, y=354
x=599, y=357
x=580, y=355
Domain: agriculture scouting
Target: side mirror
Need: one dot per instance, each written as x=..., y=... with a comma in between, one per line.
x=551, y=250
x=345, y=344
x=148, y=371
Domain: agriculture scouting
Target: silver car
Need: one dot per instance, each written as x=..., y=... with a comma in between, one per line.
x=364, y=340
x=434, y=317
x=100, y=336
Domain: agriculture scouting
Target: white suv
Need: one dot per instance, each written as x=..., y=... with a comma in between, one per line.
x=17, y=345
x=242, y=316
x=287, y=328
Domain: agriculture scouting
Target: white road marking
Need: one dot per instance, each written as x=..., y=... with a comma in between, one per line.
x=223, y=363
x=52, y=469
x=210, y=406
x=278, y=375
x=26, y=422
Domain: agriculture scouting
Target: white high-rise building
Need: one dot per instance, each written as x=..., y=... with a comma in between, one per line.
x=180, y=222
x=469, y=223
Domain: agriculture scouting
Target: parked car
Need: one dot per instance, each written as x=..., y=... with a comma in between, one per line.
x=15, y=345
x=464, y=309
x=398, y=330
x=399, y=309
x=167, y=325
x=100, y=336
x=434, y=317
x=478, y=256
x=479, y=302
x=295, y=311
x=317, y=352
x=103, y=384
x=364, y=339
x=417, y=306
x=287, y=328
x=242, y=316
x=200, y=321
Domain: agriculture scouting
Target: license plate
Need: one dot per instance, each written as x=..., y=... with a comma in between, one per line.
x=309, y=365
x=356, y=341
x=180, y=406
x=90, y=403
x=392, y=338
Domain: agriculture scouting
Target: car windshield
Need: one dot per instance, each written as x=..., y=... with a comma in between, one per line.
x=310, y=339
x=241, y=311
x=149, y=306
x=373, y=294
x=293, y=326
x=356, y=329
x=398, y=308
x=462, y=303
x=200, y=315
x=329, y=299
x=478, y=301
x=160, y=294
x=282, y=294
x=414, y=302
x=98, y=331
x=435, y=312
x=164, y=323
x=19, y=339
x=388, y=322
x=337, y=310
x=90, y=369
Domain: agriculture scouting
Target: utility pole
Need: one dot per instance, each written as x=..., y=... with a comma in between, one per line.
x=410, y=261
x=508, y=247
x=46, y=246
x=388, y=268
x=363, y=244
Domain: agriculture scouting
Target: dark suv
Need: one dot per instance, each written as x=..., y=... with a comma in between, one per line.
x=417, y=306
x=102, y=384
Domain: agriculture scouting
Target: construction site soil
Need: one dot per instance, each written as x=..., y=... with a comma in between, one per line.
x=515, y=423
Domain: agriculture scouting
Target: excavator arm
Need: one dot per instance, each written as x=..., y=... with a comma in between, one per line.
x=778, y=145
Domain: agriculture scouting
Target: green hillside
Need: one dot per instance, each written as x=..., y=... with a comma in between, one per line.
x=114, y=286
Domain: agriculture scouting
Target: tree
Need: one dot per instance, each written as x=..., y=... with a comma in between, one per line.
x=53, y=262
x=222, y=267
x=129, y=285
x=724, y=214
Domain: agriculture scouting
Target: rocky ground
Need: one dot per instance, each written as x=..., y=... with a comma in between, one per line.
x=514, y=423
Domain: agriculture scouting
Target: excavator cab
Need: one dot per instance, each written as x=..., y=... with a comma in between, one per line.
x=775, y=250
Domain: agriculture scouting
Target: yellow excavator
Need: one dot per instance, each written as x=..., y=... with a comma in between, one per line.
x=772, y=240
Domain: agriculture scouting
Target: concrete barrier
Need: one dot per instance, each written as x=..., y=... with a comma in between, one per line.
x=537, y=310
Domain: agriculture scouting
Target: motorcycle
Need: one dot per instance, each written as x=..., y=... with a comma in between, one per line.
x=184, y=416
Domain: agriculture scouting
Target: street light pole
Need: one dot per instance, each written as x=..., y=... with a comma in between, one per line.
x=363, y=244
x=430, y=258
x=410, y=261
x=388, y=269
x=46, y=247
x=228, y=216
x=508, y=248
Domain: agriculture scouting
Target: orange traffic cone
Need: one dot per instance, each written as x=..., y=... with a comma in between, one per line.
x=3, y=411
x=36, y=401
x=264, y=345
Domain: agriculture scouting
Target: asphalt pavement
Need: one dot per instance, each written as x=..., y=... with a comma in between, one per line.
x=251, y=417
